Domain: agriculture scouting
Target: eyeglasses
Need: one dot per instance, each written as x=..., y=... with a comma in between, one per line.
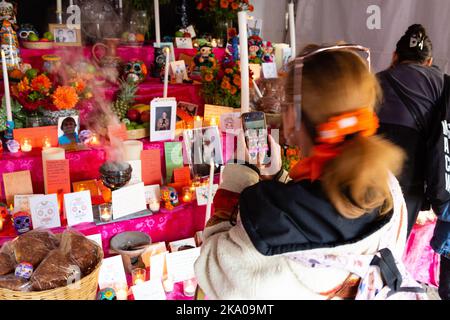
x=298, y=72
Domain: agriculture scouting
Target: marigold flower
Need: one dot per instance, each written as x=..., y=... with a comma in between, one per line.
x=224, y=4
x=41, y=83
x=235, y=6
x=24, y=85
x=233, y=90
x=209, y=77
x=78, y=84
x=228, y=70
x=65, y=97
x=237, y=80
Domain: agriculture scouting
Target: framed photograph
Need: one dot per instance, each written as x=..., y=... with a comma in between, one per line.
x=163, y=45
x=254, y=26
x=68, y=129
x=202, y=144
x=178, y=68
x=65, y=36
x=162, y=119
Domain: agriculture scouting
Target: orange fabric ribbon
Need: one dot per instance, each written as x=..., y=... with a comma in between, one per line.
x=331, y=139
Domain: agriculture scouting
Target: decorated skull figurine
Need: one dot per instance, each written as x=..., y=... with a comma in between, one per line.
x=22, y=222
x=106, y=294
x=169, y=197
x=135, y=71
x=24, y=270
x=25, y=30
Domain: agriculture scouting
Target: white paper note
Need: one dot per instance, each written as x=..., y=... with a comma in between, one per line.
x=157, y=263
x=180, y=264
x=269, y=70
x=78, y=207
x=150, y=290
x=202, y=194
x=96, y=238
x=111, y=272
x=136, y=174
x=128, y=200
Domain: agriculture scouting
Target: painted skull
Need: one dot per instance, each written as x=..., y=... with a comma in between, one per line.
x=169, y=196
x=25, y=30
x=24, y=270
x=79, y=208
x=135, y=71
x=106, y=294
x=46, y=212
x=22, y=222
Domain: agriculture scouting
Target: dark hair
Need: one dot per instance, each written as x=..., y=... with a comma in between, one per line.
x=67, y=120
x=415, y=45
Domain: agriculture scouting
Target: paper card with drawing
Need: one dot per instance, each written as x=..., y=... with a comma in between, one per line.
x=78, y=207
x=44, y=211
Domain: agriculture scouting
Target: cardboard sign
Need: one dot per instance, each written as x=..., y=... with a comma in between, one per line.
x=78, y=208
x=213, y=111
x=45, y=212
x=149, y=290
x=180, y=264
x=17, y=183
x=118, y=131
x=182, y=175
x=128, y=200
x=202, y=194
x=136, y=174
x=269, y=70
x=151, y=167
x=58, y=176
x=111, y=272
x=174, y=158
x=37, y=135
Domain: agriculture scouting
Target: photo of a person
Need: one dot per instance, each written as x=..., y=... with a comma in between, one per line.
x=71, y=36
x=68, y=131
x=202, y=145
x=60, y=35
x=163, y=116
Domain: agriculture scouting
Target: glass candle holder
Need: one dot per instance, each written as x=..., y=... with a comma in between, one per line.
x=138, y=276
x=26, y=145
x=168, y=284
x=189, y=287
x=154, y=205
x=94, y=141
x=46, y=143
x=187, y=195
x=105, y=211
x=121, y=290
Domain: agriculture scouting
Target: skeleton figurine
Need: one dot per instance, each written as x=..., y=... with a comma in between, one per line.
x=10, y=45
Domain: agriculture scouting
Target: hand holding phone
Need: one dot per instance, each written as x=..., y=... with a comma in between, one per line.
x=256, y=137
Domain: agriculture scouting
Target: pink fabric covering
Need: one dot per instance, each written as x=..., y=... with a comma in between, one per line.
x=420, y=259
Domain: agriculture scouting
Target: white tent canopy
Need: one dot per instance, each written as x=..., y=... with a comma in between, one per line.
x=377, y=24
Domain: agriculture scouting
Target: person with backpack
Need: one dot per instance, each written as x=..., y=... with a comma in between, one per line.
x=415, y=102
x=337, y=230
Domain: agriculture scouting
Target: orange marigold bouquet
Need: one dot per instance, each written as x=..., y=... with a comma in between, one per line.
x=224, y=9
x=42, y=92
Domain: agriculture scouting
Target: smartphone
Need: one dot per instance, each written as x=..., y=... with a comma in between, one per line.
x=256, y=136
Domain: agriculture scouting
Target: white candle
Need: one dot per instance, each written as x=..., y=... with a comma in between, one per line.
x=279, y=54
x=189, y=287
x=51, y=154
x=243, y=42
x=6, y=84
x=58, y=6
x=258, y=92
x=26, y=145
x=157, y=28
x=132, y=150
x=292, y=30
x=120, y=4
x=166, y=72
x=198, y=122
x=168, y=284
x=210, y=190
x=154, y=205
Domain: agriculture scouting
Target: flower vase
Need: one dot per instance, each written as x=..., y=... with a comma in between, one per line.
x=51, y=117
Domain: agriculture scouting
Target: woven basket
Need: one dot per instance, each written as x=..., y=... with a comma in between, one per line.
x=86, y=289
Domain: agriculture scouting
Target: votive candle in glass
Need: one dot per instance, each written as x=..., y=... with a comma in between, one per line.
x=26, y=145
x=138, y=276
x=189, y=287
x=121, y=290
x=46, y=143
x=187, y=194
x=154, y=205
x=168, y=284
x=105, y=211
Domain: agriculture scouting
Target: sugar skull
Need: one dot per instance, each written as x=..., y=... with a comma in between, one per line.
x=25, y=30
x=169, y=197
x=135, y=71
x=24, y=270
x=22, y=222
x=79, y=208
x=106, y=294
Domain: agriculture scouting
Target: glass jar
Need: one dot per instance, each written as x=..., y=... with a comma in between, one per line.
x=51, y=64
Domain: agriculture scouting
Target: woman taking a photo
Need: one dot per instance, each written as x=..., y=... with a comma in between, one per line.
x=267, y=238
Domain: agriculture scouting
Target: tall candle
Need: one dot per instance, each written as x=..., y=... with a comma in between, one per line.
x=210, y=190
x=51, y=154
x=58, y=6
x=292, y=29
x=133, y=149
x=243, y=42
x=166, y=72
x=6, y=84
x=157, y=27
